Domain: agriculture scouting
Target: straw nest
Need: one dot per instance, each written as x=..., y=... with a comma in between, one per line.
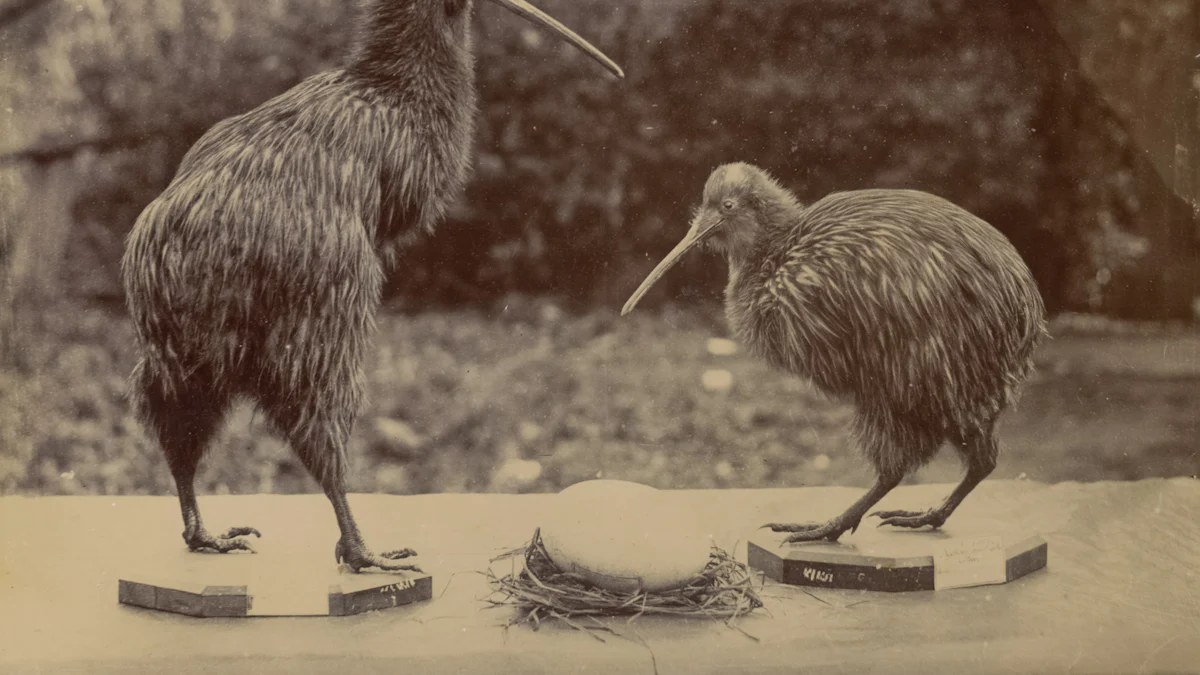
x=725, y=589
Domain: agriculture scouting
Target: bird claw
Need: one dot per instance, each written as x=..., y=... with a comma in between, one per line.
x=791, y=527
x=357, y=559
x=801, y=532
x=910, y=519
x=223, y=545
x=893, y=514
x=380, y=563
x=232, y=540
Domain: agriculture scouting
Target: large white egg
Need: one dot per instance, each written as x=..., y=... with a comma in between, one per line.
x=624, y=537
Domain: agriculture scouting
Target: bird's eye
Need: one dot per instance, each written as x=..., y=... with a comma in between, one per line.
x=728, y=204
x=453, y=7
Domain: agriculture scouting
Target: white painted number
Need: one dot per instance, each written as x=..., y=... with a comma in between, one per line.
x=818, y=575
x=397, y=587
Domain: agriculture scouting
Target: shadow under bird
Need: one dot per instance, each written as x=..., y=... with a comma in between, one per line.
x=919, y=313
x=257, y=273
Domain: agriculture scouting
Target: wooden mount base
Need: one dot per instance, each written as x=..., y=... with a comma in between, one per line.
x=885, y=559
x=293, y=576
x=379, y=592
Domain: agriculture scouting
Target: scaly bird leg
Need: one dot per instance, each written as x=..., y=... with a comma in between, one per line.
x=232, y=540
x=351, y=549
x=849, y=520
x=936, y=517
x=198, y=538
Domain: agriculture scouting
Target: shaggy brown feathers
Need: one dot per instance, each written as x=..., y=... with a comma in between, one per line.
x=921, y=314
x=257, y=272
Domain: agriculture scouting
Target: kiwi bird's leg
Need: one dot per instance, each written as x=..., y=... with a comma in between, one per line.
x=319, y=439
x=185, y=419
x=980, y=452
x=198, y=538
x=352, y=550
x=849, y=520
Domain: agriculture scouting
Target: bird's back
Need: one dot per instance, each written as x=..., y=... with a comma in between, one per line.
x=328, y=143
x=895, y=295
x=285, y=212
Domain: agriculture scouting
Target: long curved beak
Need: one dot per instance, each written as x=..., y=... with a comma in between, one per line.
x=695, y=235
x=537, y=16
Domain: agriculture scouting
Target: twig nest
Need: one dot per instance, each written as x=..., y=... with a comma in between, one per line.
x=624, y=537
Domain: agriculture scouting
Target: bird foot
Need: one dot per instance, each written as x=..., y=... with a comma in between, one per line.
x=911, y=519
x=801, y=532
x=200, y=540
x=357, y=558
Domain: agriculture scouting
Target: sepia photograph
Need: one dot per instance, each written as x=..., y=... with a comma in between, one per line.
x=599, y=336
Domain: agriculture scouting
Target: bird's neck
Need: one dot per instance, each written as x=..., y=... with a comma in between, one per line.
x=408, y=48
x=751, y=264
x=414, y=68
x=775, y=222
x=749, y=257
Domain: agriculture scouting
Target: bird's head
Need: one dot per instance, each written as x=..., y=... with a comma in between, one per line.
x=739, y=200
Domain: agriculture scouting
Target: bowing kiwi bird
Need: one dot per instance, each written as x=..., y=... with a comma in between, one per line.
x=919, y=313
x=257, y=272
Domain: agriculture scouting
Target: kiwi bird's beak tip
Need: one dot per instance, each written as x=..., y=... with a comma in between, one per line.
x=534, y=15
x=693, y=238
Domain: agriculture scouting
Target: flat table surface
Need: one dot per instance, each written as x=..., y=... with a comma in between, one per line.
x=1121, y=592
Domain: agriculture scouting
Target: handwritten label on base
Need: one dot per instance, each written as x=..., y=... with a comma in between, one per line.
x=969, y=562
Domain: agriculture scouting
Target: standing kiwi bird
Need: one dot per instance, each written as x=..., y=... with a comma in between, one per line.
x=257, y=273
x=921, y=314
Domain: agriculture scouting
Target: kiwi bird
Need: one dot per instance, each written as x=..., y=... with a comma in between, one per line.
x=257, y=273
x=916, y=311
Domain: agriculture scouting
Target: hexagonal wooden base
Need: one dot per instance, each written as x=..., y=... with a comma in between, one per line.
x=261, y=584
x=227, y=601
x=884, y=558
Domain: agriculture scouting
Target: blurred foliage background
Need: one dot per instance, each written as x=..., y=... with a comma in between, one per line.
x=1071, y=125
